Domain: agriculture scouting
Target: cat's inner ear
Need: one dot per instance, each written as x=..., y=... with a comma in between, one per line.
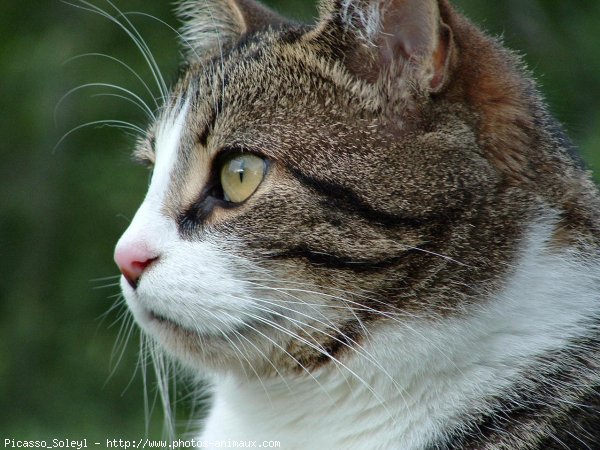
x=211, y=25
x=392, y=36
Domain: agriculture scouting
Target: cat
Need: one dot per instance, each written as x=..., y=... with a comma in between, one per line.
x=368, y=233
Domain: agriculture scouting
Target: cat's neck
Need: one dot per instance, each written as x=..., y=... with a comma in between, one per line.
x=328, y=411
x=410, y=380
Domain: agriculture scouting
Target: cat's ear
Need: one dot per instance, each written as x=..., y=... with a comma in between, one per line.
x=390, y=37
x=210, y=25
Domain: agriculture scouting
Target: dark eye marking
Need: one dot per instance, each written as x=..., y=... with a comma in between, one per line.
x=239, y=184
x=345, y=199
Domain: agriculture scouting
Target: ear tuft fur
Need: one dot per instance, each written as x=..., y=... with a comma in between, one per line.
x=207, y=26
x=210, y=25
x=396, y=34
x=364, y=20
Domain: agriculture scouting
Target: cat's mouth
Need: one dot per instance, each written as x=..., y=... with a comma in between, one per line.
x=160, y=318
x=163, y=323
x=169, y=324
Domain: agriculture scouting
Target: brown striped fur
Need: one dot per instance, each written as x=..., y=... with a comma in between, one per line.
x=405, y=167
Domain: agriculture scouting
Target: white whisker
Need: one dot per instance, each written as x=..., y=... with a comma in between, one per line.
x=321, y=350
x=133, y=35
x=102, y=123
x=133, y=98
x=129, y=68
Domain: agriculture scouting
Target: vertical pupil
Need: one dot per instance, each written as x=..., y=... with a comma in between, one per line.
x=240, y=171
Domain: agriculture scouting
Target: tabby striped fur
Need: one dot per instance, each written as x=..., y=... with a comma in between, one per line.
x=419, y=268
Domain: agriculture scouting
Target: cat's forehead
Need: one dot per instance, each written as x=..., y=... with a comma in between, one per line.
x=268, y=72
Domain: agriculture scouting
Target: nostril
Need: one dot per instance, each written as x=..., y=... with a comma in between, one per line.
x=132, y=261
x=133, y=273
x=141, y=265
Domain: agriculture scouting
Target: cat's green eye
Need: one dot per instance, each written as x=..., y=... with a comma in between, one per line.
x=241, y=175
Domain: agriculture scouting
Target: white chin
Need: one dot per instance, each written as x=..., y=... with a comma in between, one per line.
x=208, y=350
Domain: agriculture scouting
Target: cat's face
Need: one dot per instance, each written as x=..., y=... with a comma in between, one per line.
x=309, y=186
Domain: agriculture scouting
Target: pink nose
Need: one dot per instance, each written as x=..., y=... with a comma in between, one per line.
x=133, y=259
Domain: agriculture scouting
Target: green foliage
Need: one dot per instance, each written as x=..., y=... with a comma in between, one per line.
x=63, y=208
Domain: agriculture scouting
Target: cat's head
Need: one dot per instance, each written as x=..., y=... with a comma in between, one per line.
x=312, y=183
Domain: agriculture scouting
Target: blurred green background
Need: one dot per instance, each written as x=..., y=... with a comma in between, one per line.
x=62, y=209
